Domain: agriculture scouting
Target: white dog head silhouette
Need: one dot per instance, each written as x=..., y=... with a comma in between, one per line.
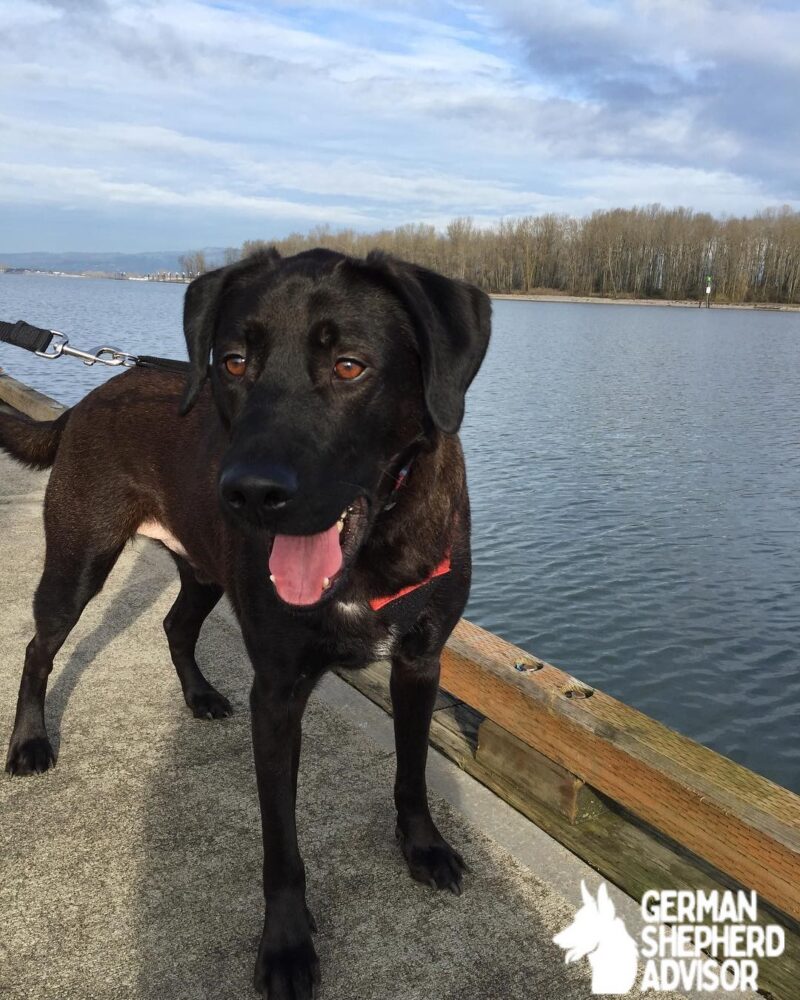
x=598, y=932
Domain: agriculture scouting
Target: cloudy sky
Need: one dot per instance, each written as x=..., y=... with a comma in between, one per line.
x=150, y=124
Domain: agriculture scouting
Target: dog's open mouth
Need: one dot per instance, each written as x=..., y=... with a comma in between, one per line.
x=305, y=569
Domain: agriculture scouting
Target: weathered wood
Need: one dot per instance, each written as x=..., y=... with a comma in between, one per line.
x=461, y=719
x=469, y=739
x=627, y=852
x=533, y=774
x=741, y=823
x=636, y=858
x=28, y=401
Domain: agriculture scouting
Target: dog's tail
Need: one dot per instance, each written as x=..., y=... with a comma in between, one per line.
x=32, y=442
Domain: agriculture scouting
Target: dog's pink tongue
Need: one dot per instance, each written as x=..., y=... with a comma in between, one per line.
x=299, y=564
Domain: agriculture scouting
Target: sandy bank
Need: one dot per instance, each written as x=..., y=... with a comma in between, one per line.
x=679, y=303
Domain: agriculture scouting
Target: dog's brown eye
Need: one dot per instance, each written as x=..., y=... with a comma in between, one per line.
x=348, y=369
x=235, y=365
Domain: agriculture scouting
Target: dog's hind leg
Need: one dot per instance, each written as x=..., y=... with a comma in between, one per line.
x=192, y=606
x=72, y=575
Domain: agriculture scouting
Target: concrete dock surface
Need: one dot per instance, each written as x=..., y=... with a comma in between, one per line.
x=133, y=868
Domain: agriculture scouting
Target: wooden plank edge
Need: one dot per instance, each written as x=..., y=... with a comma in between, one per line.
x=535, y=774
x=639, y=764
x=627, y=852
x=28, y=401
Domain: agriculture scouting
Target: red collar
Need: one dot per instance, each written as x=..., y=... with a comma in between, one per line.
x=376, y=603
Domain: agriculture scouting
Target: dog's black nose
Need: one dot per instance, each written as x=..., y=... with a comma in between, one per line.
x=250, y=489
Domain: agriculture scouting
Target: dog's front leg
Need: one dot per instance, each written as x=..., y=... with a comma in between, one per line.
x=414, y=683
x=287, y=967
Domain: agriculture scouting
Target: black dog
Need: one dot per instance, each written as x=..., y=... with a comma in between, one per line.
x=319, y=482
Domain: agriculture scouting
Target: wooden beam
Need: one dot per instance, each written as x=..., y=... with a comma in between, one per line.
x=743, y=824
x=470, y=740
x=532, y=775
x=630, y=854
x=28, y=401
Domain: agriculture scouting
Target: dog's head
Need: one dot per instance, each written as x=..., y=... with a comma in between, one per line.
x=327, y=371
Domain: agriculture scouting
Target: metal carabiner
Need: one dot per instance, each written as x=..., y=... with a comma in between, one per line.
x=60, y=348
x=118, y=358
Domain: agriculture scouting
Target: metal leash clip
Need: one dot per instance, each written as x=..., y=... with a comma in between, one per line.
x=59, y=346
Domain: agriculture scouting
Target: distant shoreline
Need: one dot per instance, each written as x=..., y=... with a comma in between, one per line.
x=163, y=277
x=500, y=296
x=676, y=303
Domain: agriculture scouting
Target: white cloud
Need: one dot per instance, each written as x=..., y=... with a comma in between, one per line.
x=70, y=187
x=163, y=151
x=378, y=113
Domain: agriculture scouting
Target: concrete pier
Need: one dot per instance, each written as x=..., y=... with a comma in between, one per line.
x=132, y=869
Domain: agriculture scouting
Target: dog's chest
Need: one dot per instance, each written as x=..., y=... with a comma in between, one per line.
x=383, y=628
x=365, y=634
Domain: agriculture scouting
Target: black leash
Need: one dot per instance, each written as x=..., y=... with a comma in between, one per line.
x=52, y=344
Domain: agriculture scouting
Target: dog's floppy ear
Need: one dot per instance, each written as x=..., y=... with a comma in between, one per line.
x=452, y=323
x=200, y=311
x=200, y=306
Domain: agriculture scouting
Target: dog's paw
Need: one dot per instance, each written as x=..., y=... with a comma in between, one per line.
x=290, y=972
x=209, y=704
x=33, y=755
x=434, y=862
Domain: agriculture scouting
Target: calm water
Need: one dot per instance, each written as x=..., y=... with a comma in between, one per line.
x=635, y=478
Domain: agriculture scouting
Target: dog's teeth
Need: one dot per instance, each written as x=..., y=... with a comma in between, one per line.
x=326, y=583
x=340, y=525
x=271, y=578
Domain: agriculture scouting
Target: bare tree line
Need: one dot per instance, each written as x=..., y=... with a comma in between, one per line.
x=195, y=263
x=651, y=252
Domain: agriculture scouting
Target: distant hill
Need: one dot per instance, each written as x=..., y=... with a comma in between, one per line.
x=132, y=263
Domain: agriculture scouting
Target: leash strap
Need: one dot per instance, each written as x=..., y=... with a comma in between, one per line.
x=52, y=344
x=162, y=364
x=22, y=334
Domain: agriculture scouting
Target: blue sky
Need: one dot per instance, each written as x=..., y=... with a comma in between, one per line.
x=140, y=125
